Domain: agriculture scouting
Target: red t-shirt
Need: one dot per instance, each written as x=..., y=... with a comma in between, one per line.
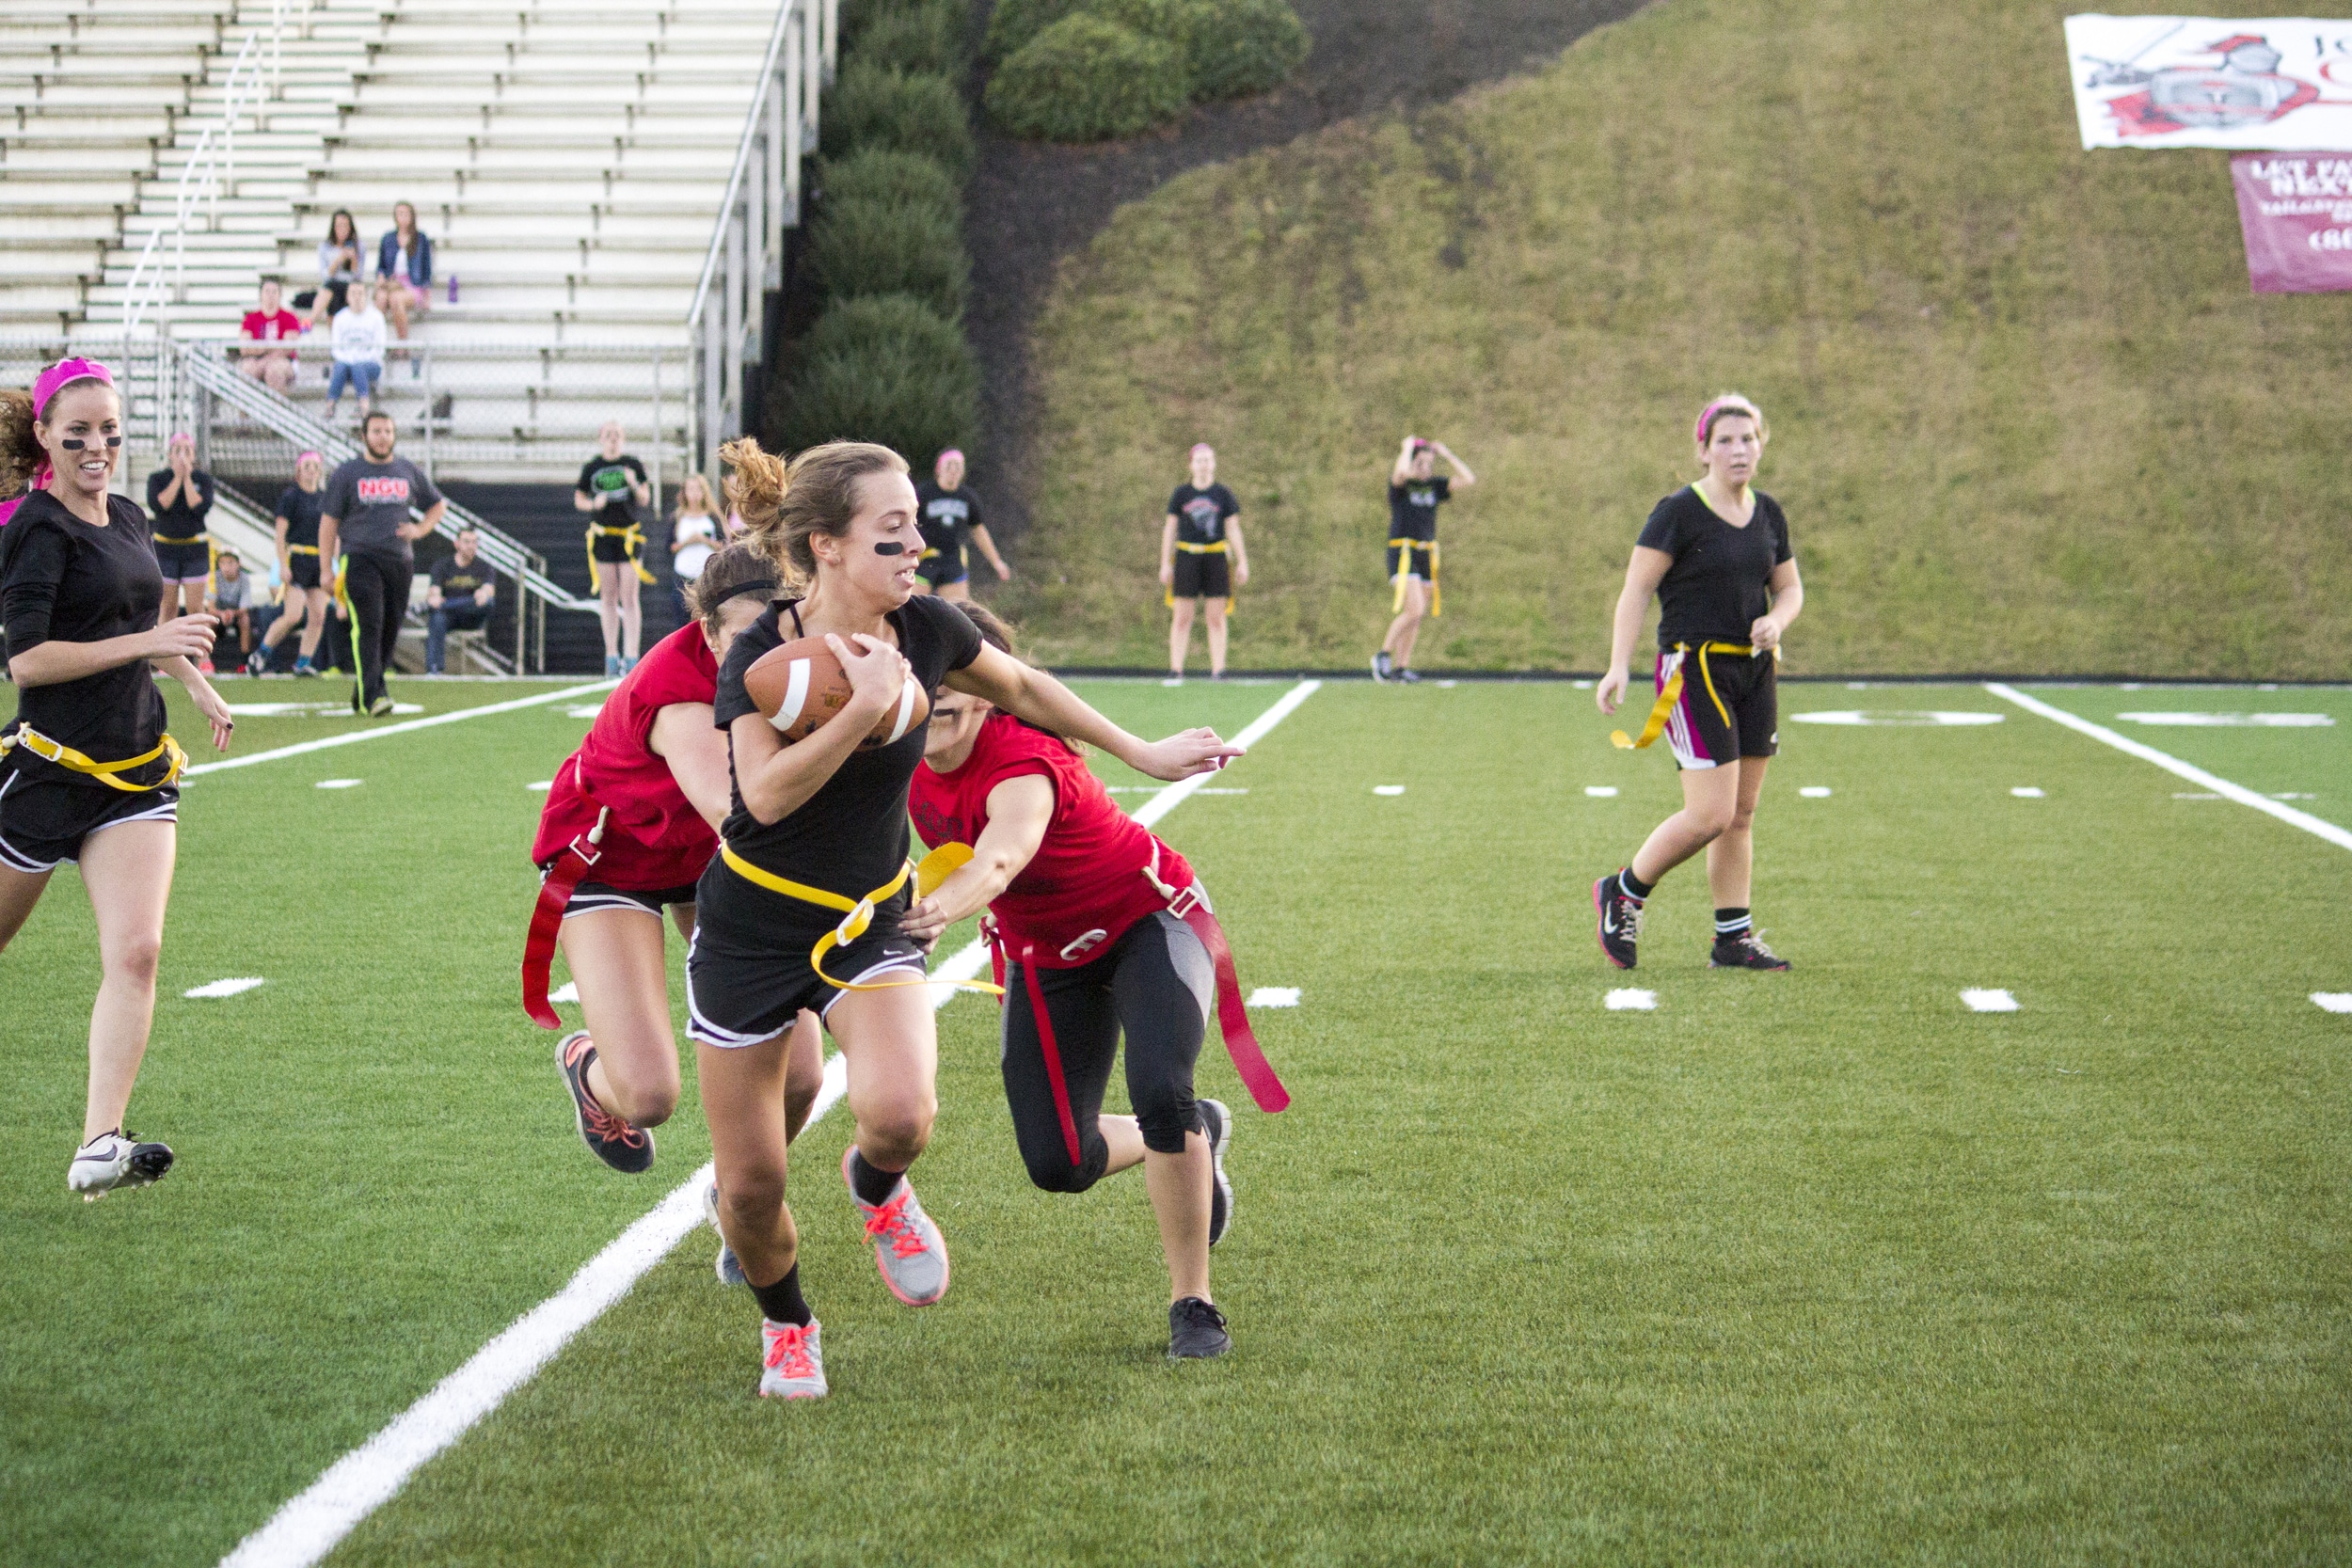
x=1087, y=874
x=271, y=329
x=655, y=839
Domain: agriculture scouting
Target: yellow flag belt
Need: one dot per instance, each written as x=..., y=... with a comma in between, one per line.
x=633, y=536
x=859, y=913
x=107, y=773
x=1671, y=692
x=1405, y=569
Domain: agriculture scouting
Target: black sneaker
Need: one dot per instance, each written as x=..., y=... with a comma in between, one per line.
x=1744, y=951
x=1381, y=665
x=257, y=662
x=1217, y=1122
x=1620, y=920
x=624, y=1145
x=1196, y=1331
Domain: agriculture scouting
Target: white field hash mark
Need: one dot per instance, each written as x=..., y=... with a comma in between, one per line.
x=1627, y=1000
x=340, y=783
x=1989, y=1000
x=1388, y=789
x=1274, y=996
x=230, y=986
x=2333, y=1001
x=310, y=1525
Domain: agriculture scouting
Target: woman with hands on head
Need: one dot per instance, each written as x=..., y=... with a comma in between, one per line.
x=86, y=773
x=819, y=824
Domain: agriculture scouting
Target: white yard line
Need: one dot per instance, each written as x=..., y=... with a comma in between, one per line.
x=353, y=737
x=311, y=1526
x=2198, y=776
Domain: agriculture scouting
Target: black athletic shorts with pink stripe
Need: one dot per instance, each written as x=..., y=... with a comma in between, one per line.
x=1728, y=710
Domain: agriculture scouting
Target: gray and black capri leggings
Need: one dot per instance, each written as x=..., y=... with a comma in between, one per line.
x=1156, y=984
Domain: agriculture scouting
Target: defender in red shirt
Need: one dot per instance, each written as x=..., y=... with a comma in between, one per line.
x=1099, y=929
x=631, y=822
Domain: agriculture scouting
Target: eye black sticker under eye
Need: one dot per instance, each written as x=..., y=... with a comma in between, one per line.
x=74, y=443
x=890, y=547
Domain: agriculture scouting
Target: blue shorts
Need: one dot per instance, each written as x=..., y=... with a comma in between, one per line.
x=359, y=378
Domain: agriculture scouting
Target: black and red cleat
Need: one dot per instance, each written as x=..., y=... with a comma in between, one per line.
x=624, y=1145
x=1620, y=924
x=1744, y=951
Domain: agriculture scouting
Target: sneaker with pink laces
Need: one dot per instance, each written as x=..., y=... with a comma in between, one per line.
x=908, y=1248
x=623, y=1144
x=792, y=1361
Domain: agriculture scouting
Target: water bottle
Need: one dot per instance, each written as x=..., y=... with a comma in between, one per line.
x=453, y=288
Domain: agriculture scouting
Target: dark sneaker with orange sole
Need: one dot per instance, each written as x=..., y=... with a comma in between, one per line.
x=624, y=1145
x=1745, y=951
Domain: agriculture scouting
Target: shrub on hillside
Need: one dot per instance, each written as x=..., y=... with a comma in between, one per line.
x=1014, y=23
x=1243, y=46
x=1086, y=79
x=886, y=368
x=874, y=106
x=900, y=179
x=859, y=245
x=925, y=36
x=857, y=16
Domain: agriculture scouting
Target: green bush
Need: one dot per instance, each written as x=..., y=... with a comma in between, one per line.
x=1086, y=79
x=857, y=16
x=1243, y=46
x=886, y=368
x=1014, y=23
x=900, y=179
x=859, y=247
x=928, y=36
x=874, y=106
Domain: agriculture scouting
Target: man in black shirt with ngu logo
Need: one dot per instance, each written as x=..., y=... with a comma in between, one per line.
x=464, y=586
x=366, y=518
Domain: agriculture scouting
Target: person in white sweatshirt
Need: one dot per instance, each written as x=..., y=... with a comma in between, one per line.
x=358, y=343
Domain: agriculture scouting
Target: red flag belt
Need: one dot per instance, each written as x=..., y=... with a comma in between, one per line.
x=570, y=869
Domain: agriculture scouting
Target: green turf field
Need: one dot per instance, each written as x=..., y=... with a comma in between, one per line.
x=1820, y=1266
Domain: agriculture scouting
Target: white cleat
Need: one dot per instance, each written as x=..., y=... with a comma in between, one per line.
x=114, y=1160
x=792, y=1361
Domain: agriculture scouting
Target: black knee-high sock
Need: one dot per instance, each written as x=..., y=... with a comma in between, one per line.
x=1731, y=924
x=1633, y=886
x=873, y=1184
x=782, y=1302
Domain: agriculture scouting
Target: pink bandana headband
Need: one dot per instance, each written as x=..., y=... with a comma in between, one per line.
x=55, y=379
x=1730, y=404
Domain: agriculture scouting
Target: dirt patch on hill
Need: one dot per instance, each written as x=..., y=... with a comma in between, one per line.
x=1030, y=205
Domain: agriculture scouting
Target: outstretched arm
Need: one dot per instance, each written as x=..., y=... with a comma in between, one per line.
x=998, y=678
x=1019, y=812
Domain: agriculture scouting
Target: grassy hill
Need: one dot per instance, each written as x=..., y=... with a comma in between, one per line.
x=2026, y=415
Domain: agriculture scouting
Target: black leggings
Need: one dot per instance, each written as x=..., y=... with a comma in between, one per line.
x=1157, y=984
x=377, y=587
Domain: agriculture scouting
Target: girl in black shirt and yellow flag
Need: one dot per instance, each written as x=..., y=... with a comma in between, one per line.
x=86, y=773
x=1716, y=554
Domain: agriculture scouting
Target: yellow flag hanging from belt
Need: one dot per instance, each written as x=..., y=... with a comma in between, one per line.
x=859, y=913
x=1671, y=693
x=633, y=536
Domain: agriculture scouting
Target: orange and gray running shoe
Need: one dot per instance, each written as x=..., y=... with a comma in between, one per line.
x=792, y=1361
x=623, y=1144
x=908, y=1248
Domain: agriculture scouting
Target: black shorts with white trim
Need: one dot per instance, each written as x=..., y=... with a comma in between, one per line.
x=589, y=897
x=748, y=972
x=45, y=820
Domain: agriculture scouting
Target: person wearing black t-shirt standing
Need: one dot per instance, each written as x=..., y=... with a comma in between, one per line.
x=1202, y=557
x=950, y=516
x=1415, y=490
x=1716, y=554
x=612, y=486
x=817, y=827
x=299, y=508
x=179, y=499
x=86, y=773
x=365, y=516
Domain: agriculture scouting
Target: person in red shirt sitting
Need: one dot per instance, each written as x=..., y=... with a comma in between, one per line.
x=262, y=332
x=1099, y=929
x=631, y=822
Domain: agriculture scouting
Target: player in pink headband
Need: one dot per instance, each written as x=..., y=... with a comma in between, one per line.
x=46, y=387
x=948, y=512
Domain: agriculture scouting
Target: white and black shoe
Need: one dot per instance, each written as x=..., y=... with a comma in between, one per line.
x=1216, y=1122
x=115, y=1159
x=1381, y=666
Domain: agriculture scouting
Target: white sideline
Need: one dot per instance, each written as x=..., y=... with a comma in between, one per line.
x=353, y=737
x=2319, y=827
x=311, y=1525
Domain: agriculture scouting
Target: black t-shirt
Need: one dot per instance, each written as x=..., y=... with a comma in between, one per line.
x=459, y=583
x=1413, y=507
x=1200, y=515
x=1715, y=589
x=184, y=519
x=851, y=836
x=607, y=480
x=63, y=580
x=947, y=517
x=302, y=510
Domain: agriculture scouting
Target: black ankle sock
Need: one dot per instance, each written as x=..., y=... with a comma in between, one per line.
x=1731, y=924
x=1633, y=886
x=782, y=1302
x=873, y=1184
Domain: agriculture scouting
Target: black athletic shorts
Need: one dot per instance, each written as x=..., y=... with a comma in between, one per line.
x=1157, y=985
x=304, y=571
x=1200, y=577
x=184, y=562
x=589, y=897
x=747, y=970
x=1729, y=709
x=44, y=821
x=1417, y=563
x=942, y=569
x=612, y=546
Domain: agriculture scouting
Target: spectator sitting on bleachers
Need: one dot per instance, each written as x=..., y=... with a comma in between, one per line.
x=359, y=340
x=338, y=267
x=462, y=587
x=693, y=536
x=263, y=333
x=404, y=259
x=232, y=600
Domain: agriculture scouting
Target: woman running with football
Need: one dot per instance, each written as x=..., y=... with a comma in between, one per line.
x=1716, y=554
x=819, y=827
x=86, y=771
x=631, y=822
x=1089, y=911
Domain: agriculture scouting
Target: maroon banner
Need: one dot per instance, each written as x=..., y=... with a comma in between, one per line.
x=2297, y=212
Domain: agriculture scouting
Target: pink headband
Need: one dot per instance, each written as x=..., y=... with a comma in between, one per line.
x=1202, y=447
x=179, y=435
x=953, y=452
x=308, y=457
x=63, y=374
x=1733, y=405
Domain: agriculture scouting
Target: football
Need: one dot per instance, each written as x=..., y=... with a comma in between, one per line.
x=801, y=686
